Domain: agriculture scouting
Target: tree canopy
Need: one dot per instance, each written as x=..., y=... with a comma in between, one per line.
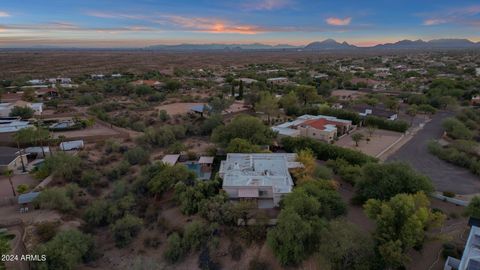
x=244, y=127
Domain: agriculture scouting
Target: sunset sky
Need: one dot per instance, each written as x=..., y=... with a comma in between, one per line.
x=139, y=23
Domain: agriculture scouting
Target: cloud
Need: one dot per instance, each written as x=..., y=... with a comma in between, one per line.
x=463, y=16
x=211, y=25
x=4, y=14
x=69, y=27
x=267, y=4
x=338, y=21
x=434, y=21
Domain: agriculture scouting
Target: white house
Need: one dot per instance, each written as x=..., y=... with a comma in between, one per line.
x=278, y=80
x=471, y=254
x=6, y=108
x=71, y=145
x=262, y=178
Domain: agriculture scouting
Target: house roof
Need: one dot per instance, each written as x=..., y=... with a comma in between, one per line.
x=200, y=108
x=71, y=145
x=205, y=160
x=323, y=124
x=170, y=159
x=255, y=170
x=27, y=197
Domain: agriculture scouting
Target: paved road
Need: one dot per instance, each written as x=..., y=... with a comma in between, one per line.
x=445, y=176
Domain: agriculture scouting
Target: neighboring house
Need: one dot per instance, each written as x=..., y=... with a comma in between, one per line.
x=9, y=126
x=65, y=124
x=11, y=159
x=47, y=93
x=346, y=95
x=151, y=83
x=366, y=110
x=71, y=145
x=116, y=75
x=60, y=80
x=247, y=81
x=170, y=159
x=6, y=108
x=97, y=76
x=37, y=152
x=262, y=178
x=471, y=254
x=278, y=80
x=201, y=109
x=320, y=127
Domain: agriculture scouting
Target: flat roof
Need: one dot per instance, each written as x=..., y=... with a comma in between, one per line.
x=250, y=170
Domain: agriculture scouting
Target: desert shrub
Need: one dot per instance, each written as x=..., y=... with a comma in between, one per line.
x=397, y=125
x=137, y=155
x=46, y=230
x=174, y=251
x=125, y=229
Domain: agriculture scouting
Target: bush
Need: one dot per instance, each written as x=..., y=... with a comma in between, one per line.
x=398, y=125
x=55, y=198
x=174, y=251
x=258, y=264
x=46, y=230
x=449, y=194
x=137, y=155
x=236, y=250
x=22, y=112
x=125, y=229
x=325, y=151
x=66, y=250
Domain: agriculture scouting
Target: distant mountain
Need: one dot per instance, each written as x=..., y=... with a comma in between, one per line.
x=204, y=47
x=432, y=44
x=329, y=44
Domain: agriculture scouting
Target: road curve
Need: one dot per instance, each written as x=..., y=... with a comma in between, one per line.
x=445, y=176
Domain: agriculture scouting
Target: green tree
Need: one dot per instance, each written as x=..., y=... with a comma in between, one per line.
x=287, y=240
x=55, y=198
x=126, y=229
x=290, y=103
x=267, y=104
x=344, y=246
x=65, y=251
x=167, y=176
x=383, y=181
x=137, y=155
x=306, y=93
x=456, y=129
x=357, y=137
x=473, y=208
x=175, y=250
x=238, y=145
x=22, y=112
x=63, y=165
x=412, y=112
x=245, y=127
x=401, y=224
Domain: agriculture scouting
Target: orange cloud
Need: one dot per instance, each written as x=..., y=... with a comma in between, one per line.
x=210, y=25
x=434, y=21
x=338, y=21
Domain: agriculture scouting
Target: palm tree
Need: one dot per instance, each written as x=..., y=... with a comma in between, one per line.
x=357, y=137
x=9, y=173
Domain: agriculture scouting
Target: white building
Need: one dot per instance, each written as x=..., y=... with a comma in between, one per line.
x=6, y=108
x=471, y=255
x=278, y=80
x=263, y=178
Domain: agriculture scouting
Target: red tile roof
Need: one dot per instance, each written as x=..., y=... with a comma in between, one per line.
x=321, y=123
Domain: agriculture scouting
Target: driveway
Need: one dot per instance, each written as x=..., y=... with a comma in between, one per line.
x=445, y=176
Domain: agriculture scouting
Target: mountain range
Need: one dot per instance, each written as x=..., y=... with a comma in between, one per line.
x=328, y=45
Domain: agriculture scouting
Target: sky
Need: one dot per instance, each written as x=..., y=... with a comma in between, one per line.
x=140, y=23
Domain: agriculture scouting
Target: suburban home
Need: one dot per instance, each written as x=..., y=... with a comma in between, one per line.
x=9, y=126
x=151, y=83
x=379, y=111
x=247, y=81
x=116, y=75
x=278, y=80
x=471, y=254
x=6, y=108
x=71, y=145
x=170, y=159
x=12, y=158
x=47, y=93
x=262, y=178
x=60, y=80
x=97, y=76
x=347, y=95
x=320, y=127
